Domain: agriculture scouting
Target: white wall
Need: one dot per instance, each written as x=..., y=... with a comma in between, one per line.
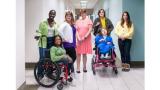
x=20, y=43
x=37, y=11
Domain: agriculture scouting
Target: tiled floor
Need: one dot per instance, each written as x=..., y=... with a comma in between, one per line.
x=104, y=79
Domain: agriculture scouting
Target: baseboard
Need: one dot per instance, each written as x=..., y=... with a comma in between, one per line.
x=30, y=65
x=137, y=64
x=28, y=87
x=22, y=86
x=134, y=64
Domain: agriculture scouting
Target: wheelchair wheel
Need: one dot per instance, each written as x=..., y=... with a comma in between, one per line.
x=46, y=73
x=60, y=86
x=92, y=65
x=115, y=70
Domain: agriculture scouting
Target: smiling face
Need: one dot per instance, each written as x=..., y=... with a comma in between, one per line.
x=101, y=13
x=83, y=15
x=104, y=32
x=68, y=17
x=58, y=41
x=125, y=16
x=52, y=14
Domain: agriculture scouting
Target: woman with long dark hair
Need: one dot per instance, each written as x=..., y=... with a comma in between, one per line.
x=124, y=30
x=102, y=22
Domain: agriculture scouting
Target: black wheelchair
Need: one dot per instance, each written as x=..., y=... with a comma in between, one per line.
x=51, y=72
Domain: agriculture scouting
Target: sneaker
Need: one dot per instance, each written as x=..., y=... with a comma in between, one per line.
x=123, y=67
x=70, y=79
x=127, y=67
x=107, y=56
x=102, y=56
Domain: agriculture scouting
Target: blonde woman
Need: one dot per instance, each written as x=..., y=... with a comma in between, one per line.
x=84, y=46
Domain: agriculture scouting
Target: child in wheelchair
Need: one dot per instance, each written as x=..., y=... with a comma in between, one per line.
x=104, y=44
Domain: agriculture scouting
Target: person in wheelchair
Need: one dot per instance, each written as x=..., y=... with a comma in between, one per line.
x=104, y=44
x=58, y=53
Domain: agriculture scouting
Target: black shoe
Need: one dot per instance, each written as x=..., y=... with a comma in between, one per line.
x=78, y=71
x=70, y=79
x=72, y=69
x=84, y=70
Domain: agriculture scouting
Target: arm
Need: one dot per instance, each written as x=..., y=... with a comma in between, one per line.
x=56, y=29
x=90, y=28
x=39, y=33
x=109, y=40
x=130, y=33
x=89, y=31
x=97, y=40
x=117, y=29
x=54, y=57
x=43, y=28
x=68, y=33
x=61, y=32
x=110, y=26
x=77, y=34
x=96, y=26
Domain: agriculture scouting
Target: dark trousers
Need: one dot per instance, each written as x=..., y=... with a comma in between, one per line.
x=65, y=62
x=49, y=42
x=72, y=53
x=124, y=47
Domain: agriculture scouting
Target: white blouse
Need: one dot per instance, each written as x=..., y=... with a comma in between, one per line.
x=65, y=31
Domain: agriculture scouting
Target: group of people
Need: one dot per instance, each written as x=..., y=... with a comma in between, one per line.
x=72, y=39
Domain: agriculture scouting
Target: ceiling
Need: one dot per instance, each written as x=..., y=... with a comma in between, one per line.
x=78, y=4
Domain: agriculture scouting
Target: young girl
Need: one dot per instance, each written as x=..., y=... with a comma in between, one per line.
x=104, y=43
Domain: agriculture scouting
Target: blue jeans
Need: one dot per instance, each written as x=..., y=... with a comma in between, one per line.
x=41, y=60
x=42, y=50
x=42, y=53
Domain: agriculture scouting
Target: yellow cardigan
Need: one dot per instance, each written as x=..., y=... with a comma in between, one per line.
x=124, y=31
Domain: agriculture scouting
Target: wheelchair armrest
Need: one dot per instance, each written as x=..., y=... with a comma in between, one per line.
x=94, y=48
x=36, y=37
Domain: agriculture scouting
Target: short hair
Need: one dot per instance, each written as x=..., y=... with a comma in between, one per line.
x=82, y=11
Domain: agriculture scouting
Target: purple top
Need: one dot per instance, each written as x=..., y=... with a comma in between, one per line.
x=73, y=44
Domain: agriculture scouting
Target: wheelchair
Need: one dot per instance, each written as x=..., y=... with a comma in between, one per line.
x=97, y=61
x=51, y=72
